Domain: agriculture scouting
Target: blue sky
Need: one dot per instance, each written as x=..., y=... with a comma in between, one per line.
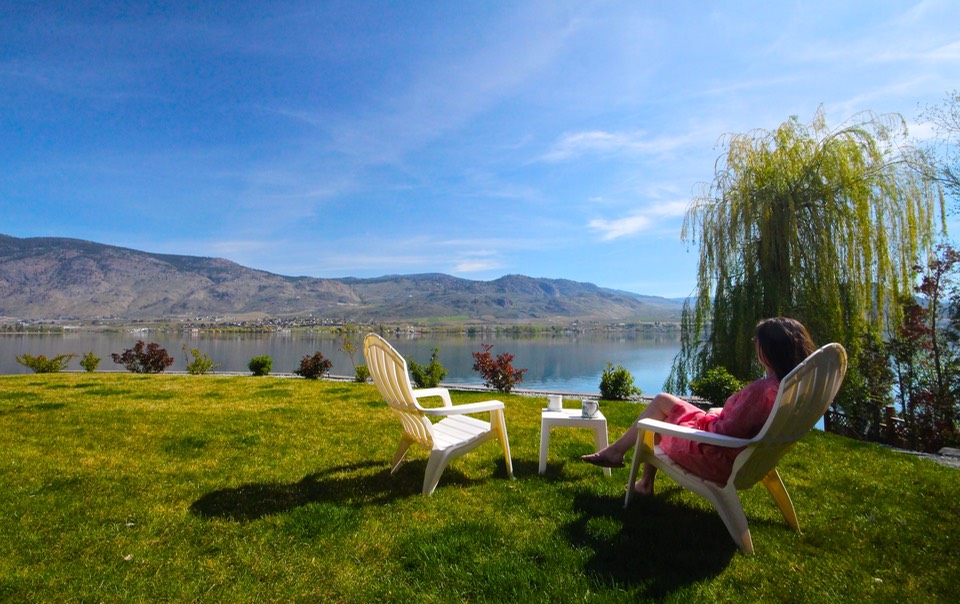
x=473, y=138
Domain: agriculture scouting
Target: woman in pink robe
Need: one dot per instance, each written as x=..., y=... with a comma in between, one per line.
x=781, y=344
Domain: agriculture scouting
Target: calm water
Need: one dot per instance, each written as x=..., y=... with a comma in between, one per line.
x=565, y=363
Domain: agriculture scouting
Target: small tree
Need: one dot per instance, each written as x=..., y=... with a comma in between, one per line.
x=616, y=384
x=361, y=373
x=926, y=361
x=41, y=364
x=260, y=366
x=90, y=361
x=200, y=364
x=497, y=373
x=430, y=375
x=350, y=348
x=313, y=367
x=149, y=358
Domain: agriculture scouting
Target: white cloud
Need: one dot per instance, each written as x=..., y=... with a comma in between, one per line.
x=620, y=227
x=476, y=260
x=670, y=208
x=944, y=52
x=639, y=221
x=476, y=266
x=599, y=142
x=231, y=249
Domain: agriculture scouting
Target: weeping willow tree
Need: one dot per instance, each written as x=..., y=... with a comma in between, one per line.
x=803, y=221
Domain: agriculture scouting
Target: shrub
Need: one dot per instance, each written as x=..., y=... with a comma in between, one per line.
x=716, y=385
x=427, y=376
x=41, y=364
x=261, y=365
x=149, y=358
x=361, y=373
x=90, y=361
x=200, y=364
x=313, y=367
x=497, y=373
x=616, y=384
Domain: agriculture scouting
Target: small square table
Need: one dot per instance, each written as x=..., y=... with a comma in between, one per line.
x=572, y=418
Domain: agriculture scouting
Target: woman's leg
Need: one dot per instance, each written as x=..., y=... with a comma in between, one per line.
x=612, y=454
x=644, y=486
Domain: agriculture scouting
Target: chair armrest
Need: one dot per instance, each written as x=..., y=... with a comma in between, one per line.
x=700, y=436
x=443, y=393
x=467, y=408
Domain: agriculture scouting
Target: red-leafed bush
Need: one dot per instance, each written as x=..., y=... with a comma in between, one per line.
x=497, y=373
x=314, y=367
x=144, y=358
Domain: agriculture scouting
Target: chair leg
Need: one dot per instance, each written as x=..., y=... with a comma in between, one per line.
x=501, y=427
x=435, y=466
x=775, y=485
x=405, y=442
x=731, y=512
x=637, y=455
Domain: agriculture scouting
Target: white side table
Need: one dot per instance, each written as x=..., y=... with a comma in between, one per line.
x=571, y=418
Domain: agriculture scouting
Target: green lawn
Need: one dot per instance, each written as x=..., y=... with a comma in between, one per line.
x=126, y=488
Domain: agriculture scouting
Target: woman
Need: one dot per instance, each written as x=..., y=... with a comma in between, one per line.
x=781, y=344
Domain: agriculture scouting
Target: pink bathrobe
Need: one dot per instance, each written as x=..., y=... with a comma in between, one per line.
x=743, y=415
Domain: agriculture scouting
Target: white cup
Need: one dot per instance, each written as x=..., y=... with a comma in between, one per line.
x=589, y=407
x=554, y=402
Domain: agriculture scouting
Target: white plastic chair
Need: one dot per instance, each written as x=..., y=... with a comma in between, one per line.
x=803, y=398
x=449, y=438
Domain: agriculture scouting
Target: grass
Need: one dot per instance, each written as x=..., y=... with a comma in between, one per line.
x=118, y=487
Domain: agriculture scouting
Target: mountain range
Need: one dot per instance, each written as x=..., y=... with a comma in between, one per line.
x=45, y=278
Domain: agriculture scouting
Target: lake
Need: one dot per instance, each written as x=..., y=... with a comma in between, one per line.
x=565, y=363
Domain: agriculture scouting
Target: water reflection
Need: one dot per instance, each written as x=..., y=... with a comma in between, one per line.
x=570, y=363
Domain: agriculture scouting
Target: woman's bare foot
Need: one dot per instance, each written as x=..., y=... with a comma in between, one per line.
x=643, y=489
x=601, y=459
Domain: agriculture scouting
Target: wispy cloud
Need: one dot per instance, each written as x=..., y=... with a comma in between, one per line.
x=619, y=227
x=476, y=265
x=599, y=142
x=637, y=222
x=447, y=89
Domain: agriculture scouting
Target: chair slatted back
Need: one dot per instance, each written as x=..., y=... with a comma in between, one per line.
x=389, y=372
x=803, y=398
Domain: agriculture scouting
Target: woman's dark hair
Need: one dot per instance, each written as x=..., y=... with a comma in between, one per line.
x=785, y=343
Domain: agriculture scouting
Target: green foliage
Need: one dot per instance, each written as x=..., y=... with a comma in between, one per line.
x=497, y=373
x=260, y=366
x=142, y=358
x=41, y=364
x=716, y=385
x=817, y=224
x=867, y=387
x=361, y=373
x=90, y=362
x=313, y=367
x=616, y=384
x=429, y=375
x=200, y=364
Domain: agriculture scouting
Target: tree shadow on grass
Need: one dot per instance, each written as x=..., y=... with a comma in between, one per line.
x=655, y=544
x=361, y=484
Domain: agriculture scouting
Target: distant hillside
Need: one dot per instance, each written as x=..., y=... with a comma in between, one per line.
x=57, y=278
